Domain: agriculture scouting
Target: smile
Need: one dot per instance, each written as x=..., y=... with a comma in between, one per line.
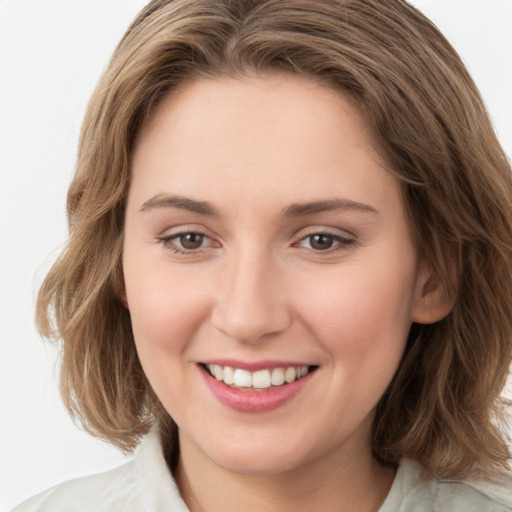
x=257, y=391
x=264, y=379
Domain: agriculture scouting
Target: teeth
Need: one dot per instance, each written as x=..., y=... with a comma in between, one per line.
x=302, y=372
x=290, y=375
x=229, y=375
x=218, y=372
x=261, y=379
x=242, y=378
x=277, y=377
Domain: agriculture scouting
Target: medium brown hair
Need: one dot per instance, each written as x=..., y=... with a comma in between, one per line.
x=427, y=119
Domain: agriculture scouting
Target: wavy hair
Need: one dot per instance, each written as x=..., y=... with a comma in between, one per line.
x=428, y=121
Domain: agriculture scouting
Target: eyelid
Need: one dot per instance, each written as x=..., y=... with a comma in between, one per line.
x=325, y=230
x=179, y=228
x=168, y=237
x=345, y=240
x=337, y=238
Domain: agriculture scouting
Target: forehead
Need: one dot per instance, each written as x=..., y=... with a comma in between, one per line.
x=281, y=104
x=229, y=138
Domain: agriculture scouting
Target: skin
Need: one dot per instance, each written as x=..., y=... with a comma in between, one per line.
x=257, y=288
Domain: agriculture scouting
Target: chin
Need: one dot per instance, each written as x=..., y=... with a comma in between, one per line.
x=258, y=457
x=258, y=464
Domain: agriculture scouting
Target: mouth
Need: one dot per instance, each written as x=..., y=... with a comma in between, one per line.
x=265, y=379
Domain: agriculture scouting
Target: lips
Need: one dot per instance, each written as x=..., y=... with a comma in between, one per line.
x=261, y=390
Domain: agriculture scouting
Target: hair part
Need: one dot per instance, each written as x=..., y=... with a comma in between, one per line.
x=429, y=124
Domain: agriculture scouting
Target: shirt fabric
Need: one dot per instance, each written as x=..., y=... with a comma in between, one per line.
x=145, y=484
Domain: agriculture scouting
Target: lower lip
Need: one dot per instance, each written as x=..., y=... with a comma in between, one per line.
x=254, y=401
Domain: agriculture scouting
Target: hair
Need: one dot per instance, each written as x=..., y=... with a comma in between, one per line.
x=428, y=121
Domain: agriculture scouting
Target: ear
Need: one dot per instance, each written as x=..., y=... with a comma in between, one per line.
x=119, y=286
x=433, y=301
x=123, y=299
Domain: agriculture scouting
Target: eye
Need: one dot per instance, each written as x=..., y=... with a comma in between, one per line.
x=186, y=242
x=190, y=241
x=325, y=242
x=320, y=242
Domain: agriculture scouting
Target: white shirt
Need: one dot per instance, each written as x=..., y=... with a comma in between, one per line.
x=144, y=484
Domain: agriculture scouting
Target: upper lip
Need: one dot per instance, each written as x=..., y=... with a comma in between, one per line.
x=254, y=366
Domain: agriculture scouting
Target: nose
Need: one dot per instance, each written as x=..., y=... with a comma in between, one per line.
x=250, y=305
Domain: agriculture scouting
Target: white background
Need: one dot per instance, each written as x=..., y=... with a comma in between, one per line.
x=51, y=55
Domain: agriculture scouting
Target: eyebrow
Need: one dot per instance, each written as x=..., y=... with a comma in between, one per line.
x=302, y=209
x=184, y=203
x=293, y=210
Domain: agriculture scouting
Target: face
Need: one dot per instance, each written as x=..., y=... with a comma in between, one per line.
x=269, y=272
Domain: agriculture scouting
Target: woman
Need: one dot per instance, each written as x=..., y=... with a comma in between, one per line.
x=289, y=261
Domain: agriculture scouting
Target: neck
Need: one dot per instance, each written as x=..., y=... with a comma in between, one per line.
x=334, y=483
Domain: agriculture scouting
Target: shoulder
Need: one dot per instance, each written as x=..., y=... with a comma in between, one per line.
x=411, y=491
x=142, y=484
x=112, y=491
x=469, y=496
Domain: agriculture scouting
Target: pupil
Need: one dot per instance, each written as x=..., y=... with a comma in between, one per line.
x=191, y=240
x=321, y=242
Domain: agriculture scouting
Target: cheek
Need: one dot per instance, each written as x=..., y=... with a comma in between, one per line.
x=165, y=309
x=363, y=312
x=166, y=312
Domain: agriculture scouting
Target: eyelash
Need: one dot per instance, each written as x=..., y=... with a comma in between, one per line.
x=341, y=243
x=169, y=242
